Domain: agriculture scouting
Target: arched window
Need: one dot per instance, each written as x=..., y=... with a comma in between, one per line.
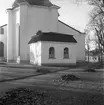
x=1, y=49
x=51, y=52
x=66, y=52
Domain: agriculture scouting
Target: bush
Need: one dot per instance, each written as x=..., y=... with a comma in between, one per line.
x=45, y=96
x=99, y=66
x=44, y=71
x=69, y=77
x=22, y=96
x=90, y=70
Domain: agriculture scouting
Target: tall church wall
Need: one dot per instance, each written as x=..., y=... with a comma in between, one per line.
x=33, y=19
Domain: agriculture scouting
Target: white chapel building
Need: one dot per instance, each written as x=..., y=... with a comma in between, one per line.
x=34, y=35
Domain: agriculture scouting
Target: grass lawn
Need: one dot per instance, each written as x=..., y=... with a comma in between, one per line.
x=40, y=95
x=16, y=72
x=11, y=75
x=48, y=96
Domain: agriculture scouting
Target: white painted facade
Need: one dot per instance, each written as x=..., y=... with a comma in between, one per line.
x=80, y=37
x=92, y=58
x=32, y=19
x=25, y=20
x=39, y=53
x=13, y=34
x=35, y=53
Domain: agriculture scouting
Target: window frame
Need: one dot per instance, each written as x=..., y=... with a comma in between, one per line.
x=66, y=53
x=1, y=49
x=51, y=53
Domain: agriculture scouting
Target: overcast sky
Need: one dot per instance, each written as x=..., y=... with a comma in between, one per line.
x=70, y=13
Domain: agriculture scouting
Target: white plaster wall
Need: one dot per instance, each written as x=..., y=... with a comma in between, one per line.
x=3, y=38
x=35, y=53
x=59, y=48
x=62, y=28
x=42, y=18
x=17, y=30
x=80, y=47
x=24, y=35
x=32, y=19
x=92, y=58
x=17, y=13
x=13, y=33
x=10, y=37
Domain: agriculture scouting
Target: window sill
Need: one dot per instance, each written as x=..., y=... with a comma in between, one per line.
x=66, y=58
x=51, y=58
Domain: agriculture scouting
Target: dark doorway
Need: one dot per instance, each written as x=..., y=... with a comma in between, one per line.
x=1, y=49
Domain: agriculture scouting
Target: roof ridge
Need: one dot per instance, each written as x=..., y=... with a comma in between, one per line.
x=57, y=33
x=33, y=2
x=3, y=25
x=70, y=26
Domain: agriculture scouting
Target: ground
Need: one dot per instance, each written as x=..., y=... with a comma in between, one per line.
x=92, y=82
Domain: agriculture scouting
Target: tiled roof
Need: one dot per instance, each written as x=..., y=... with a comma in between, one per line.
x=33, y=2
x=52, y=36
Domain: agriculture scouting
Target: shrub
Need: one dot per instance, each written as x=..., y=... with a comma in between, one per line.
x=90, y=70
x=69, y=77
x=22, y=96
x=44, y=71
x=99, y=66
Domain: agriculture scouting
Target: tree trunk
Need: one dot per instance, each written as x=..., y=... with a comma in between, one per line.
x=88, y=54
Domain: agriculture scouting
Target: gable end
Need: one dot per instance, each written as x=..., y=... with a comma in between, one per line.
x=70, y=27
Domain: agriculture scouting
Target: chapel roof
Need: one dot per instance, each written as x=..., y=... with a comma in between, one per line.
x=33, y=2
x=52, y=36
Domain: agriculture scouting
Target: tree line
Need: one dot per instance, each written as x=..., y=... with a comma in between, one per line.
x=96, y=25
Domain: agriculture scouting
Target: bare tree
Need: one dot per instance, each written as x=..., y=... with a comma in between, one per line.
x=87, y=43
x=96, y=22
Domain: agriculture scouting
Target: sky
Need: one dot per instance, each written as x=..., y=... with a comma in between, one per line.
x=71, y=13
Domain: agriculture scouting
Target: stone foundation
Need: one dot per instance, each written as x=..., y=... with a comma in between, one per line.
x=24, y=61
x=58, y=64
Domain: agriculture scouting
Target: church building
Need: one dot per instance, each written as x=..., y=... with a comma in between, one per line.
x=34, y=35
